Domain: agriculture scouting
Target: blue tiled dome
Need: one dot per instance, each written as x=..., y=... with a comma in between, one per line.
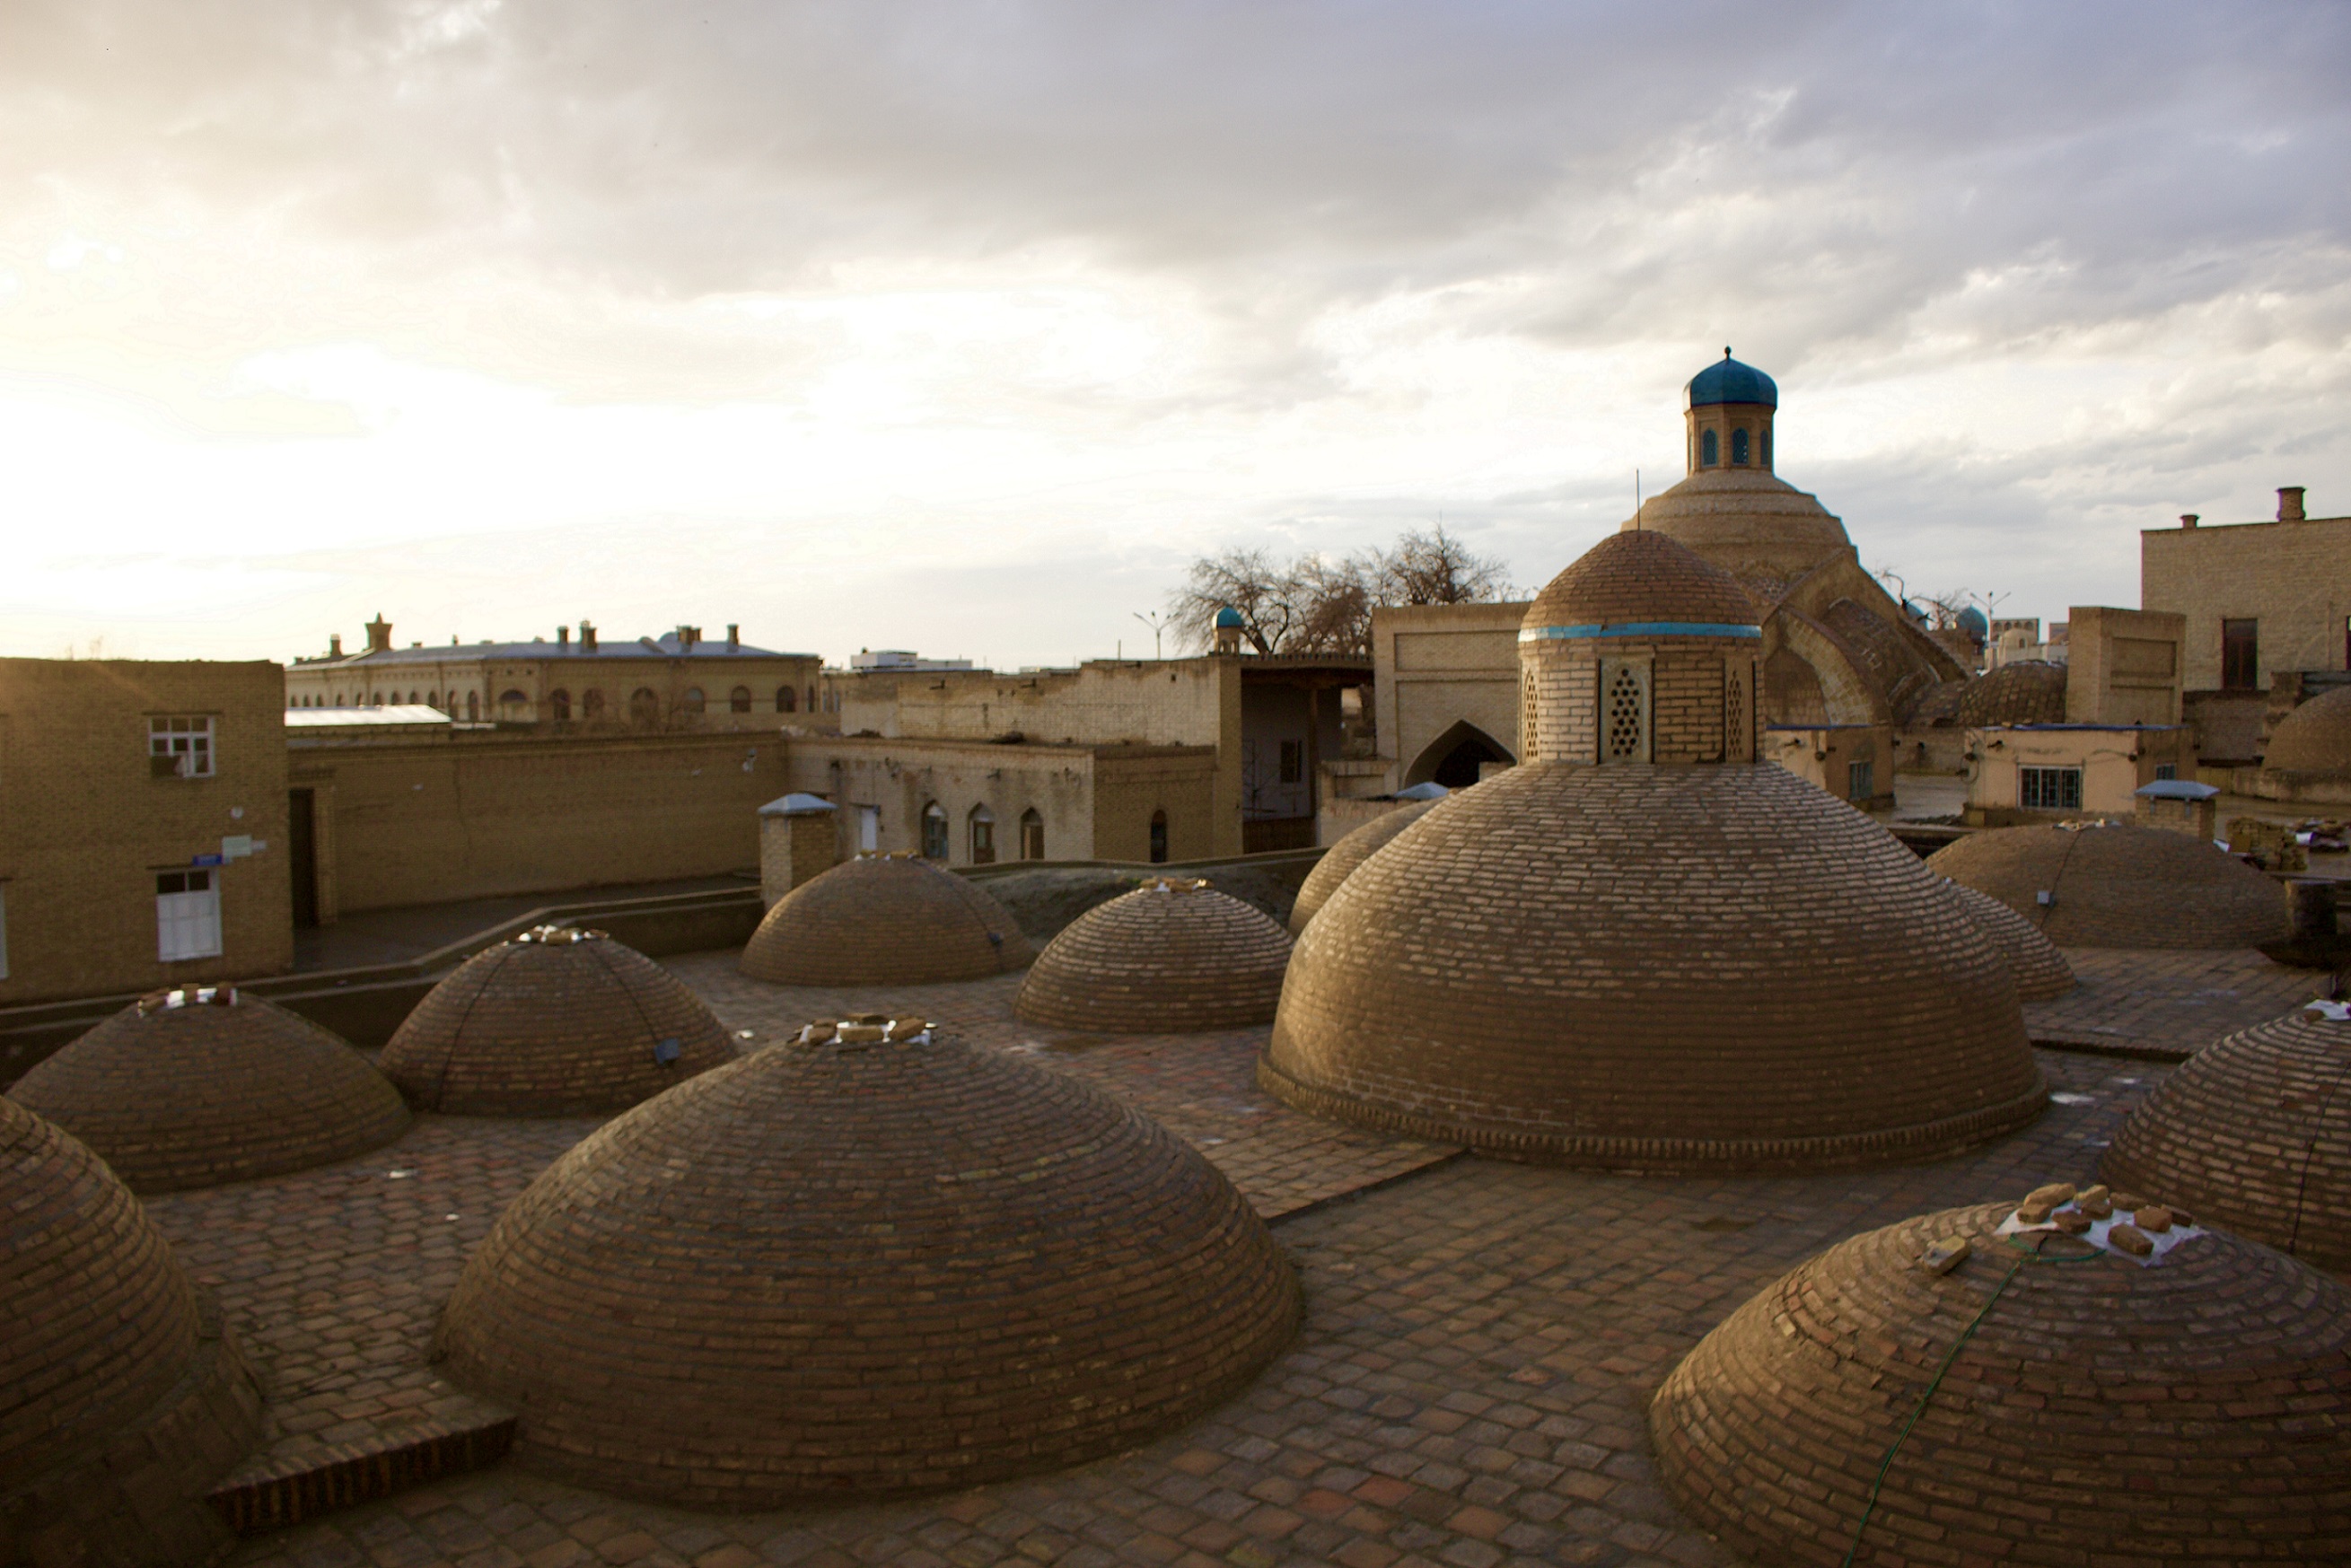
x=1727, y=381
x=1229, y=617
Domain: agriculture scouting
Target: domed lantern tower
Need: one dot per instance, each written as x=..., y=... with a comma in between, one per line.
x=1729, y=407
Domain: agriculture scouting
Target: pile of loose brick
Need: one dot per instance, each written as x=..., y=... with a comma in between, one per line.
x=1172, y=956
x=885, y=920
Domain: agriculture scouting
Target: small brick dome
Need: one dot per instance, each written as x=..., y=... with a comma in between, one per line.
x=1654, y=967
x=1341, y=858
x=2253, y=1133
x=1173, y=955
x=2093, y=1409
x=885, y=920
x=1638, y=577
x=2119, y=886
x=2026, y=692
x=2040, y=970
x=555, y=1022
x=126, y=1397
x=196, y=1087
x=864, y=1266
x=2316, y=737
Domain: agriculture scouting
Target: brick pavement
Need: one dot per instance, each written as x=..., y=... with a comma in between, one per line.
x=1468, y=1390
x=2167, y=1004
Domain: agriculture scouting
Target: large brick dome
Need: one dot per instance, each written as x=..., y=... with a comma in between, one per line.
x=2119, y=886
x=885, y=920
x=864, y=1266
x=196, y=1087
x=1635, y=577
x=1170, y=956
x=2040, y=970
x=2027, y=691
x=1746, y=520
x=2253, y=1133
x=2315, y=737
x=2071, y=1405
x=1341, y=858
x=126, y=1397
x=554, y=1023
x=1654, y=967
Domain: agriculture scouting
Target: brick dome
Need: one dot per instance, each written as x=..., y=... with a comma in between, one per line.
x=1341, y=858
x=885, y=920
x=1657, y=968
x=1747, y=521
x=2119, y=886
x=1637, y=576
x=2028, y=691
x=2092, y=1409
x=2315, y=737
x=2253, y=1133
x=1170, y=956
x=126, y=1397
x=193, y=1088
x=864, y=1266
x=553, y=1023
x=2040, y=970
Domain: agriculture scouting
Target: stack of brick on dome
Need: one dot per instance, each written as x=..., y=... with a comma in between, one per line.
x=2028, y=691
x=2072, y=1403
x=885, y=920
x=1340, y=860
x=196, y=1087
x=869, y=1263
x=2040, y=970
x=555, y=1022
x=2316, y=737
x=2253, y=1134
x=126, y=1397
x=1172, y=956
x=2119, y=886
x=1639, y=948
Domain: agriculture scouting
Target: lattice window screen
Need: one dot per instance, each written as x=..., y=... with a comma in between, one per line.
x=1625, y=714
x=1527, y=743
x=1735, y=747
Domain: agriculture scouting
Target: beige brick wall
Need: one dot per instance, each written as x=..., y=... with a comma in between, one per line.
x=448, y=676
x=2123, y=665
x=85, y=827
x=2114, y=762
x=1701, y=696
x=1435, y=665
x=2294, y=578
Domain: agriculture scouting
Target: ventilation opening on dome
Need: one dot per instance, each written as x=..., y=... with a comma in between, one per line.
x=1623, y=712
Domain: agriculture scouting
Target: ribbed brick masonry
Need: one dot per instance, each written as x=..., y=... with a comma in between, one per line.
x=1173, y=955
x=2040, y=970
x=2119, y=886
x=1340, y=860
x=885, y=920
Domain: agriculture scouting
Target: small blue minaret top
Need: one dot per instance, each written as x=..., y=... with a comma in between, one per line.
x=1727, y=381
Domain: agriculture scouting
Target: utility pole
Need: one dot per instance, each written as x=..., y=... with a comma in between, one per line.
x=1154, y=620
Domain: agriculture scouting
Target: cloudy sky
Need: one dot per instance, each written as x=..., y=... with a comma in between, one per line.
x=962, y=326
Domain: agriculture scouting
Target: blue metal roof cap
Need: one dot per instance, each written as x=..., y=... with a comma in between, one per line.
x=2177, y=790
x=1229, y=616
x=1727, y=381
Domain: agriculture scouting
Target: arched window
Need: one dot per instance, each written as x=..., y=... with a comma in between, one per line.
x=1032, y=835
x=644, y=707
x=739, y=700
x=375, y=699
x=559, y=706
x=934, y=831
x=511, y=698
x=694, y=702
x=1709, y=452
x=1738, y=448
x=787, y=700
x=982, y=823
x=415, y=699
x=473, y=707
x=1158, y=838
x=592, y=704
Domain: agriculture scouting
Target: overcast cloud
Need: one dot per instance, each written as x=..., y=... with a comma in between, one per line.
x=961, y=327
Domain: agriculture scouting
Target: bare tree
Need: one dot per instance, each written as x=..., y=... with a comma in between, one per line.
x=1264, y=595
x=1435, y=568
x=1323, y=604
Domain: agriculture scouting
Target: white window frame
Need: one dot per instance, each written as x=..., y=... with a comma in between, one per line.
x=185, y=737
x=188, y=916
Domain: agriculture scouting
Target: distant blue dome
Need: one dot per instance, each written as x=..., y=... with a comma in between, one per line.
x=1229, y=617
x=1972, y=622
x=1727, y=381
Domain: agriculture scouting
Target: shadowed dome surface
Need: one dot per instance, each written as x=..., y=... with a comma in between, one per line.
x=125, y=1398
x=1637, y=579
x=1745, y=521
x=2040, y=970
x=864, y=1267
x=218, y=1086
x=1173, y=955
x=2253, y=1134
x=2315, y=737
x=2095, y=1410
x=553, y=1023
x=1339, y=861
x=885, y=920
x=2026, y=692
x=1730, y=380
x=1632, y=967
x=2119, y=886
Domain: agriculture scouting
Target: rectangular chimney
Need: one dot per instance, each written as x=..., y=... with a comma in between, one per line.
x=563, y=639
x=2289, y=504
x=587, y=637
x=734, y=636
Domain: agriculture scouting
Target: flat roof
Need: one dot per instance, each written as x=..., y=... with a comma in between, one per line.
x=364, y=717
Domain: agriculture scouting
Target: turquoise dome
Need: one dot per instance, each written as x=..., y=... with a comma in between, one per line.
x=1229, y=616
x=1727, y=381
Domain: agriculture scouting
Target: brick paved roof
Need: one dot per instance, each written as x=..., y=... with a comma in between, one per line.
x=536, y=1027
x=885, y=920
x=2026, y=692
x=1154, y=961
x=2040, y=970
x=2120, y=886
x=1639, y=577
x=1654, y=968
x=2253, y=1134
x=2315, y=737
x=174, y=1097
x=124, y=1395
x=2094, y=1410
x=843, y=1269
x=1352, y=850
